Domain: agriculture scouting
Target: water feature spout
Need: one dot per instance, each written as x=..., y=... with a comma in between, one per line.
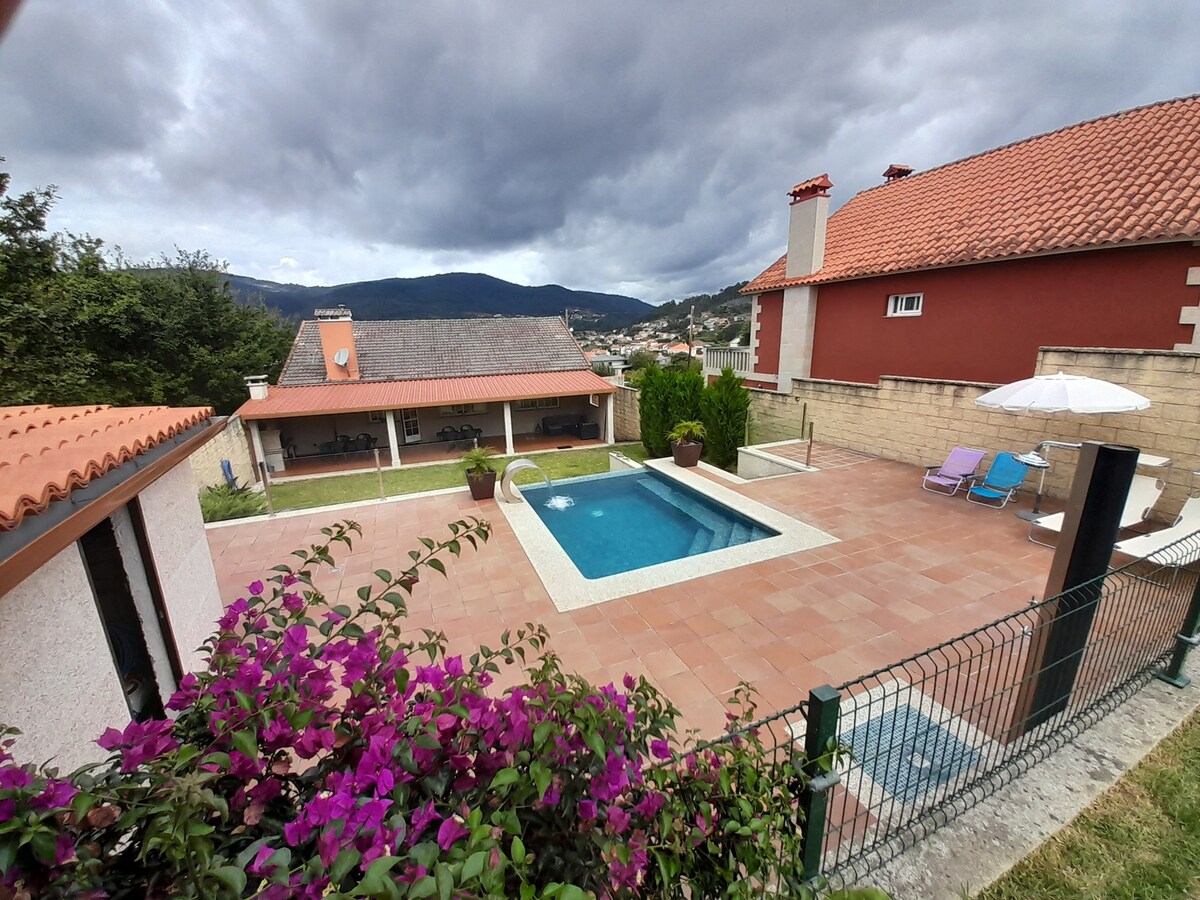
x=519, y=465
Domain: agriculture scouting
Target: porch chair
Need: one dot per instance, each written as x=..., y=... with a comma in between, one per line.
x=956, y=472
x=1143, y=494
x=1153, y=546
x=449, y=433
x=1000, y=483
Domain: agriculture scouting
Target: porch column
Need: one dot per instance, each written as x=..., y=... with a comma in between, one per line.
x=508, y=441
x=256, y=442
x=610, y=429
x=393, y=444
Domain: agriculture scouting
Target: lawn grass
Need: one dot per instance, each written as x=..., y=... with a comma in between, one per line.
x=1140, y=841
x=365, y=485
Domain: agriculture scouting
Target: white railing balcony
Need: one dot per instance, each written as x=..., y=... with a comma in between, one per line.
x=736, y=358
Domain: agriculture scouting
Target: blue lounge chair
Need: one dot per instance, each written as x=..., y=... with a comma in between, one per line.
x=1000, y=483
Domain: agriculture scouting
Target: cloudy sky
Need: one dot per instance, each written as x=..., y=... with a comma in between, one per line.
x=636, y=147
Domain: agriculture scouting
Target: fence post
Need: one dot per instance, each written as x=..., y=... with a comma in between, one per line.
x=266, y=480
x=820, y=734
x=1188, y=637
x=379, y=472
x=808, y=452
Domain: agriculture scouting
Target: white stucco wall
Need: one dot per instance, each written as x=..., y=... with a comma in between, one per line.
x=175, y=531
x=58, y=683
x=143, y=601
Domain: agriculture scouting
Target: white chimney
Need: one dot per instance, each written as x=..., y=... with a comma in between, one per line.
x=806, y=232
x=257, y=386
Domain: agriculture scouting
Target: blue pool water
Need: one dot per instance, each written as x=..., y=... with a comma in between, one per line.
x=623, y=521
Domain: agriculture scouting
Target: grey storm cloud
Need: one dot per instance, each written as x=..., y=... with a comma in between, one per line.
x=645, y=148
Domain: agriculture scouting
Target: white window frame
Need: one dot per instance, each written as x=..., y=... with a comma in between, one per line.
x=462, y=409
x=377, y=417
x=537, y=403
x=897, y=305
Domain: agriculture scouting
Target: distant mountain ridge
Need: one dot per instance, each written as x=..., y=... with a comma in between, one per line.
x=457, y=295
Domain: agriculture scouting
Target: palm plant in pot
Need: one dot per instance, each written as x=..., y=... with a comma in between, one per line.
x=686, y=442
x=481, y=474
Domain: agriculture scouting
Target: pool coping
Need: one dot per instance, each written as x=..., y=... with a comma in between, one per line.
x=568, y=589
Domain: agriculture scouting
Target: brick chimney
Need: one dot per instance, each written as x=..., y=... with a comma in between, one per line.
x=336, y=327
x=806, y=232
x=257, y=386
x=896, y=171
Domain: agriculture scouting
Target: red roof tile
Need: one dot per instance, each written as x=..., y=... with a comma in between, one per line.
x=48, y=451
x=1131, y=176
x=360, y=396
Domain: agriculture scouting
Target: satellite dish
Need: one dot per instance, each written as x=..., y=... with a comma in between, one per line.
x=342, y=357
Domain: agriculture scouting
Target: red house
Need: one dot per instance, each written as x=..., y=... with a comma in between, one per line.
x=1084, y=237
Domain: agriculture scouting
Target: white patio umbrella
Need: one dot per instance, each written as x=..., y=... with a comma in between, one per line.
x=1063, y=393
x=1055, y=394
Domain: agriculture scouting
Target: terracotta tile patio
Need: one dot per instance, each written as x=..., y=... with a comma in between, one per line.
x=911, y=569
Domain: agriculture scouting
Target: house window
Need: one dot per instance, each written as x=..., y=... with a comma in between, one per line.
x=377, y=417
x=463, y=409
x=539, y=403
x=905, y=304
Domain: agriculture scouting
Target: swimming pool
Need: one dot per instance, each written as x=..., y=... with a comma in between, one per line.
x=623, y=521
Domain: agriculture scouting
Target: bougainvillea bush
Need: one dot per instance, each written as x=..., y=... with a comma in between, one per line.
x=329, y=751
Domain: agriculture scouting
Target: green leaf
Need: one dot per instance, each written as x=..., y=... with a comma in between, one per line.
x=540, y=773
x=596, y=742
x=81, y=804
x=423, y=887
x=436, y=564
x=346, y=860
x=505, y=777
x=474, y=865
x=245, y=742
x=343, y=610
x=383, y=575
x=542, y=732
x=231, y=877
x=518, y=850
x=352, y=630
x=445, y=881
x=571, y=892
x=376, y=881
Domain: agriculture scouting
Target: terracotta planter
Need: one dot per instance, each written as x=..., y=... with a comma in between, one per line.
x=686, y=453
x=483, y=487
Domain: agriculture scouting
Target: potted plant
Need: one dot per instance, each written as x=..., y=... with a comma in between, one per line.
x=481, y=474
x=686, y=442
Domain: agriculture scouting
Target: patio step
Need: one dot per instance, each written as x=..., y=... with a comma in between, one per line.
x=739, y=535
x=702, y=542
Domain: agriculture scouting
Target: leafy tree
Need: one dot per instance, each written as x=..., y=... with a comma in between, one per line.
x=652, y=410
x=724, y=407
x=641, y=359
x=603, y=369
x=77, y=328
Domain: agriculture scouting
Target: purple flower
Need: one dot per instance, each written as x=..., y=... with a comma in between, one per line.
x=12, y=778
x=618, y=820
x=188, y=693
x=587, y=810
x=449, y=832
x=258, y=865
x=650, y=805
x=295, y=640
x=660, y=749
x=422, y=818
x=628, y=681
x=255, y=588
x=233, y=614
x=289, y=579
x=293, y=603
x=139, y=742
x=58, y=794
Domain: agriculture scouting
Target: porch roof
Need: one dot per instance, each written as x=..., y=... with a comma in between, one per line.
x=351, y=396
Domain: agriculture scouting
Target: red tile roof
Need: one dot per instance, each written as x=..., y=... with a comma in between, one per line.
x=48, y=451
x=1131, y=176
x=360, y=396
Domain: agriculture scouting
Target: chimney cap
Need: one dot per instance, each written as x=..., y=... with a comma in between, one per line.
x=897, y=171
x=814, y=187
x=255, y=379
x=337, y=313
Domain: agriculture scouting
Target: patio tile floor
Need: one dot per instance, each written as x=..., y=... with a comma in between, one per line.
x=912, y=569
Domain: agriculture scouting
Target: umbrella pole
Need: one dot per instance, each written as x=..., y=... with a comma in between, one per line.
x=1036, y=513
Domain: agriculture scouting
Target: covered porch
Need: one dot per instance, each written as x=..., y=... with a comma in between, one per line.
x=303, y=445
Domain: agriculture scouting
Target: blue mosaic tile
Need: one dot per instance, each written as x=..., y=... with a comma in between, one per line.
x=908, y=754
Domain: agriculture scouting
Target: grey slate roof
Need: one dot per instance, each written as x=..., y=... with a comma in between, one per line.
x=410, y=349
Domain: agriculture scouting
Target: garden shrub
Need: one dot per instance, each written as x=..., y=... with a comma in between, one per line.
x=724, y=408
x=652, y=410
x=223, y=501
x=329, y=751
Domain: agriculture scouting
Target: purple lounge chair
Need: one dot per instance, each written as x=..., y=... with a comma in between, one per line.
x=954, y=473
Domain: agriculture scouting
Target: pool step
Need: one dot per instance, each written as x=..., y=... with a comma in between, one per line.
x=715, y=531
x=702, y=542
x=739, y=535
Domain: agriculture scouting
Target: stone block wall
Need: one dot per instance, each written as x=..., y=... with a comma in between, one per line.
x=919, y=420
x=627, y=420
x=232, y=444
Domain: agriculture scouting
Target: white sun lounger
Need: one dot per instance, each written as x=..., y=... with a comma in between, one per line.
x=1143, y=494
x=1150, y=546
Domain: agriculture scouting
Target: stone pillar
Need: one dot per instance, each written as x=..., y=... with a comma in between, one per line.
x=609, y=421
x=393, y=443
x=508, y=432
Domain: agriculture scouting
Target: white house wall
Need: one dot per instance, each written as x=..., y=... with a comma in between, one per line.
x=143, y=601
x=58, y=683
x=175, y=531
